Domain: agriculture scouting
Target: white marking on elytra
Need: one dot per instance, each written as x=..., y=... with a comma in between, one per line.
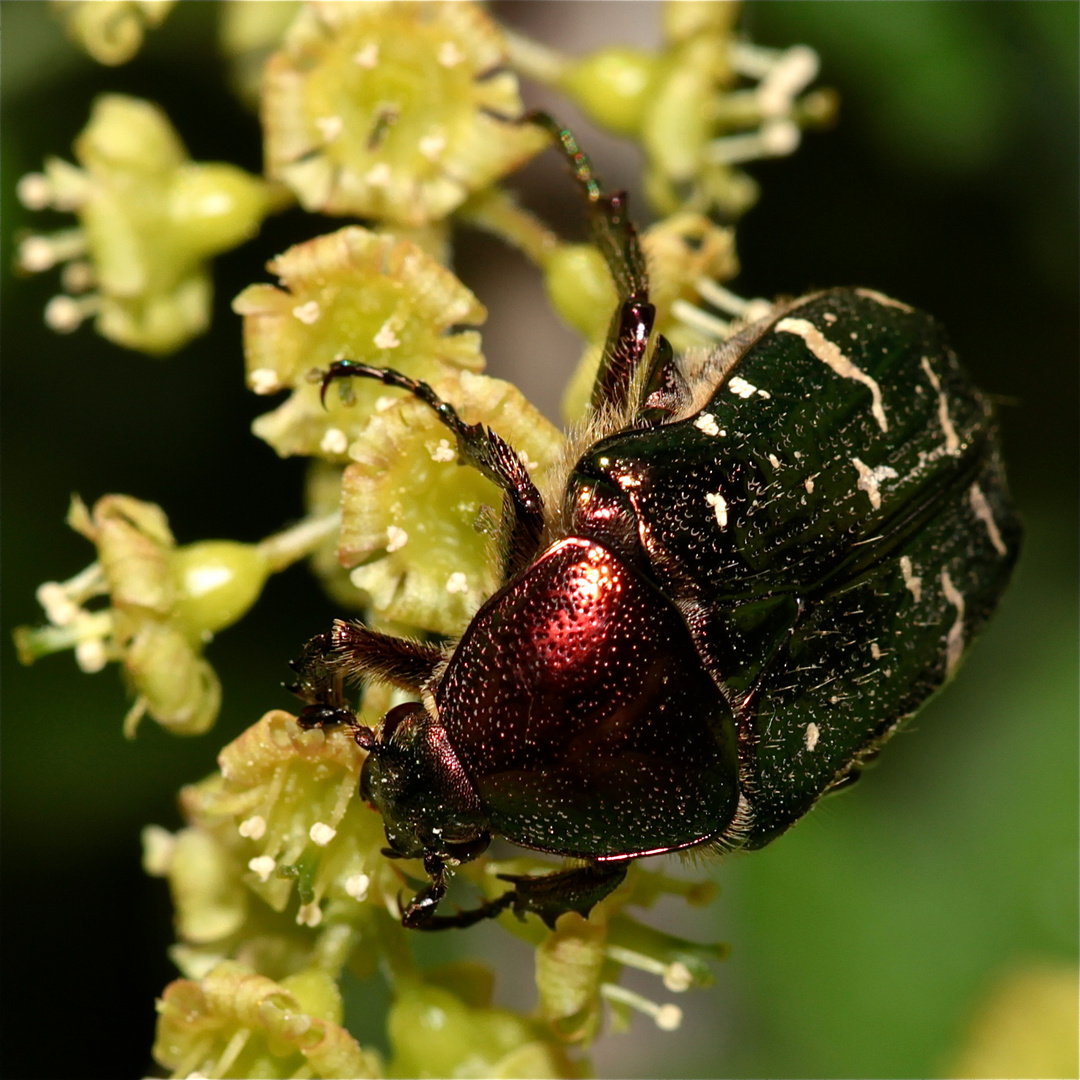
x=720, y=507
x=952, y=440
x=396, y=538
x=740, y=386
x=706, y=423
x=813, y=733
x=829, y=317
x=982, y=511
x=954, y=639
x=875, y=651
x=885, y=301
x=911, y=582
x=828, y=352
x=774, y=461
x=808, y=483
x=870, y=480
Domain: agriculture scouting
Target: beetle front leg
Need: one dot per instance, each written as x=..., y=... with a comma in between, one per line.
x=420, y=912
x=578, y=889
x=482, y=448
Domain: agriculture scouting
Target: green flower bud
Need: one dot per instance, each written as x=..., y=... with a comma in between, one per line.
x=217, y=581
x=612, y=85
x=434, y=1032
x=580, y=288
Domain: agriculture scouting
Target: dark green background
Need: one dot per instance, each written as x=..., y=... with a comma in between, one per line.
x=863, y=940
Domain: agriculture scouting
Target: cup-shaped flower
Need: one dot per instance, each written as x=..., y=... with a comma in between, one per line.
x=392, y=112
x=413, y=522
x=355, y=294
x=286, y=801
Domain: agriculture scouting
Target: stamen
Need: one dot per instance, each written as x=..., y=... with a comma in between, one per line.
x=666, y=1017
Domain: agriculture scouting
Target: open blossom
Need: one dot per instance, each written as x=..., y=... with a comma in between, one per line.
x=356, y=294
x=391, y=111
x=153, y=606
x=412, y=516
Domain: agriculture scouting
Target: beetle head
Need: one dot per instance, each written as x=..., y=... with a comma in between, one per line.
x=414, y=779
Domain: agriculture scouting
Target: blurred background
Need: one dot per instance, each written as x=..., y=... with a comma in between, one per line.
x=870, y=939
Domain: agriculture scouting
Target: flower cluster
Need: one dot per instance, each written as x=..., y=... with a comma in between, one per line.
x=407, y=117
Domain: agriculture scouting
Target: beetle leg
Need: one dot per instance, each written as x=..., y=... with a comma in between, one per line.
x=551, y=895
x=357, y=651
x=546, y=895
x=615, y=235
x=482, y=448
x=353, y=651
x=420, y=912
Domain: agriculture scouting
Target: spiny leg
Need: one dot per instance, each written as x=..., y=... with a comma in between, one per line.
x=356, y=651
x=480, y=447
x=616, y=237
x=545, y=895
x=350, y=652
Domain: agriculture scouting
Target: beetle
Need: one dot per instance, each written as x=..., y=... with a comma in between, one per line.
x=765, y=558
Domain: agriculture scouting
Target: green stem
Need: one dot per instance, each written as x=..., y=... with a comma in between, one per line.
x=496, y=211
x=298, y=541
x=536, y=61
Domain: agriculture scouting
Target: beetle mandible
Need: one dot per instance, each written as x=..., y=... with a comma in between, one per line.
x=765, y=558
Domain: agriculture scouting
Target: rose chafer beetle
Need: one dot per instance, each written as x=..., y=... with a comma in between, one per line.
x=762, y=561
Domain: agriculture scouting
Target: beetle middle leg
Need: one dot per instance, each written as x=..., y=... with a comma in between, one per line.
x=482, y=448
